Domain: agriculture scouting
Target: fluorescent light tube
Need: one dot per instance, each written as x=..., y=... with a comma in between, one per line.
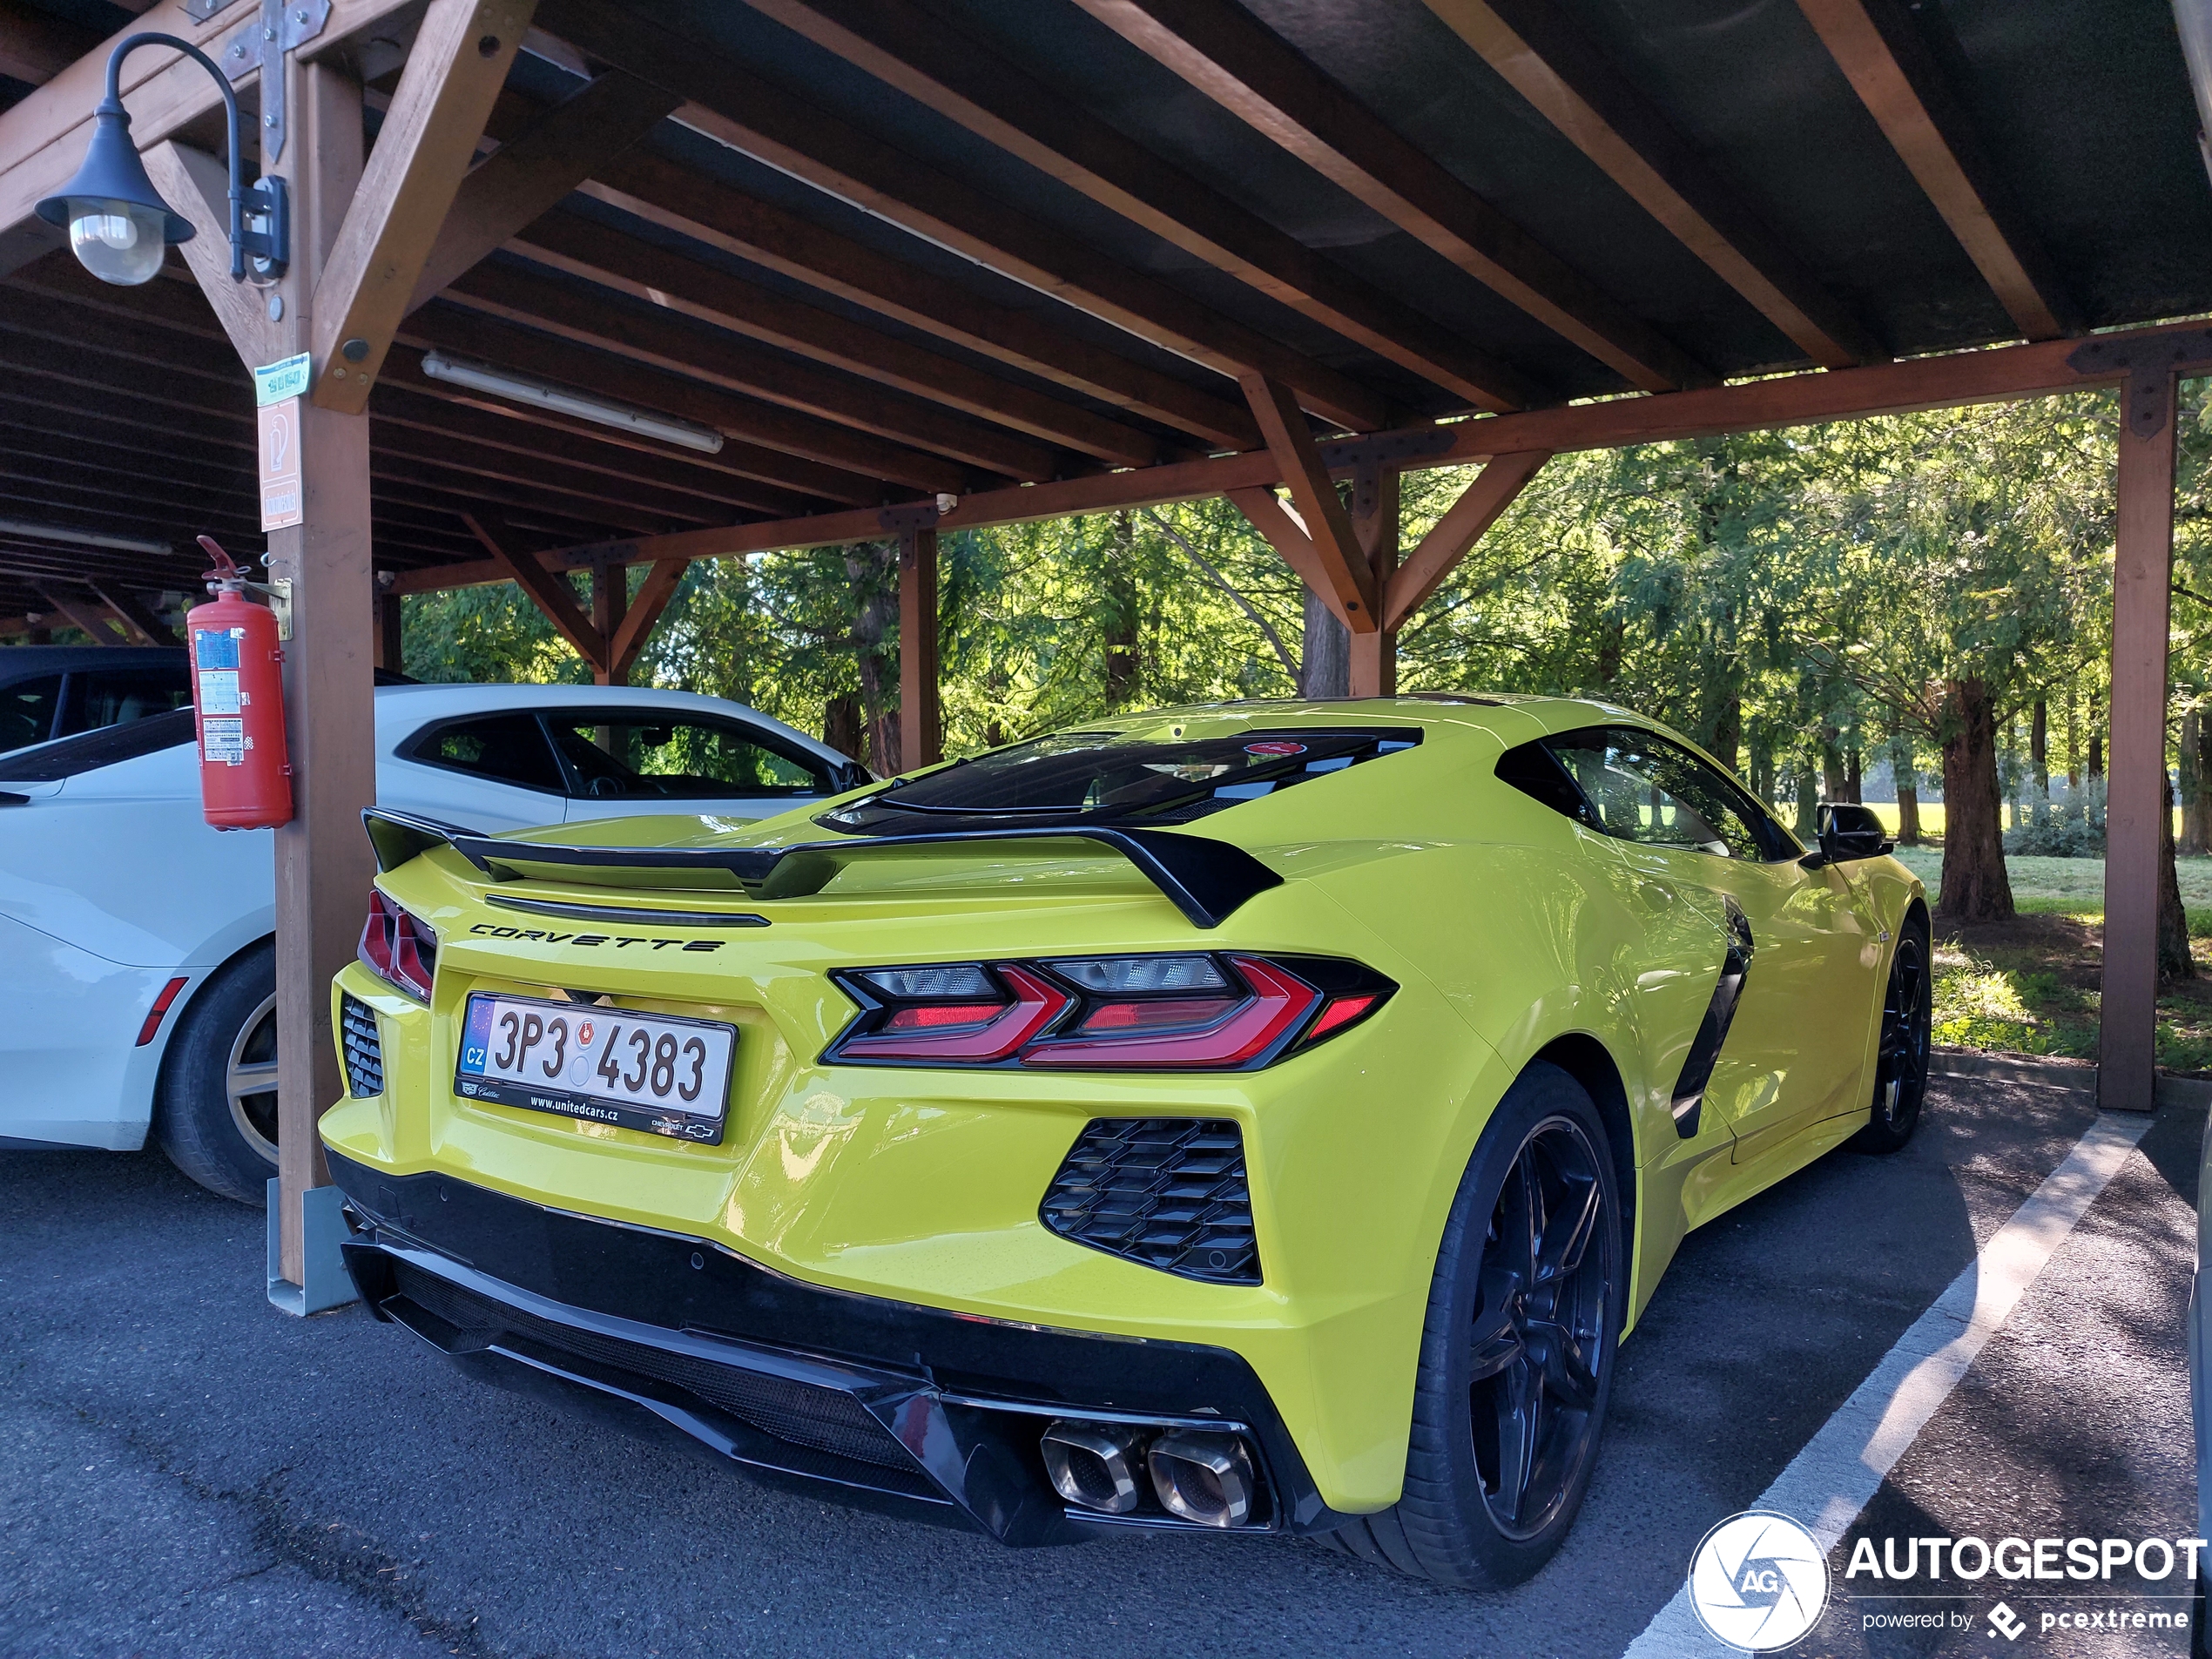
x=82, y=539
x=525, y=388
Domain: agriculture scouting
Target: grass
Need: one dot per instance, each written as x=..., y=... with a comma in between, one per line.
x=2032, y=985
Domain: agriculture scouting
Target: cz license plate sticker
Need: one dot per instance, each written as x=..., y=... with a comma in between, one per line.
x=653, y=1072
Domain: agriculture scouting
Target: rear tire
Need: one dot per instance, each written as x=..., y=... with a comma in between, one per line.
x=1901, y=1060
x=1516, y=1357
x=214, y=1109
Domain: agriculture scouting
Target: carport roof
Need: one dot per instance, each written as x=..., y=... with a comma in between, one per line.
x=893, y=249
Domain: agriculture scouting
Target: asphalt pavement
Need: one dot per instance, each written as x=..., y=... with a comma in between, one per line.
x=184, y=1471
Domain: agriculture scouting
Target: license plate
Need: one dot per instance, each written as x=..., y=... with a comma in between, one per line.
x=645, y=1071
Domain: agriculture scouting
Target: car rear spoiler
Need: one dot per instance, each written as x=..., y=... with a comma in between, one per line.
x=1206, y=879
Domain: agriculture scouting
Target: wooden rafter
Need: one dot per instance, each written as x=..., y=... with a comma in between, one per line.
x=1889, y=64
x=737, y=365
x=1233, y=58
x=1546, y=58
x=2003, y=374
x=643, y=610
x=657, y=191
x=1282, y=530
x=527, y=175
x=93, y=619
x=198, y=186
x=146, y=628
x=793, y=134
x=833, y=462
x=35, y=46
x=1448, y=540
x=964, y=80
x=547, y=591
x=1344, y=567
x=659, y=276
x=458, y=60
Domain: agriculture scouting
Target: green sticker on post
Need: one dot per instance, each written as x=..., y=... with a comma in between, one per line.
x=280, y=380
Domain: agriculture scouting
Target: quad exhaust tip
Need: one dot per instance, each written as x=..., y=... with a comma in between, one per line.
x=1205, y=1479
x=1093, y=1464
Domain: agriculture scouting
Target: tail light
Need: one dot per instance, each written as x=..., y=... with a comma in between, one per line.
x=398, y=948
x=1191, y=1011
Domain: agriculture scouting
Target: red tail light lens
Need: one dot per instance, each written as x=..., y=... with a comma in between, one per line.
x=962, y=1033
x=398, y=948
x=1187, y=1012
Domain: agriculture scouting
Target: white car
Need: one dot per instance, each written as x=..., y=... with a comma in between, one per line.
x=138, y=967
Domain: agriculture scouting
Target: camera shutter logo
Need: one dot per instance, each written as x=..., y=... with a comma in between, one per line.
x=1758, y=1581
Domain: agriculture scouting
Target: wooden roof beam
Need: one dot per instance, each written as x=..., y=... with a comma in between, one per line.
x=93, y=619
x=460, y=59
x=144, y=627
x=1543, y=54
x=1495, y=489
x=1236, y=60
x=548, y=590
x=963, y=80
x=1347, y=578
x=660, y=276
x=35, y=46
x=833, y=462
x=657, y=191
x=527, y=175
x=736, y=365
x=758, y=118
x=641, y=613
x=1889, y=64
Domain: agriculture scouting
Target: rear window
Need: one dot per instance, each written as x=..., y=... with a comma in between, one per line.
x=649, y=755
x=90, y=750
x=27, y=710
x=1104, y=776
x=118, y=697
x=505, y=748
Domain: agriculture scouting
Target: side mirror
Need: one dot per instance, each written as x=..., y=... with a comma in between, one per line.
x=1849, y=831
x=847, y=775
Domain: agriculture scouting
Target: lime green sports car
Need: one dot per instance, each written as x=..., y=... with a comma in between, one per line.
x=1256, y=1116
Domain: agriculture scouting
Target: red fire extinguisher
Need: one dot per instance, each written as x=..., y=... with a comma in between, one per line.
x=238, y=696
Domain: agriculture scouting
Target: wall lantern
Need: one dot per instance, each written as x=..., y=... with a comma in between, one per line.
x=119, y=226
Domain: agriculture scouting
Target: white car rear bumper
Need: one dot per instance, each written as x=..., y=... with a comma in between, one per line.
x=70, y=1024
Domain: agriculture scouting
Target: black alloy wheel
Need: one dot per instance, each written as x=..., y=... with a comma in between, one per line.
x=1545, y=1290
x=1516, y=1357
x=1901, y=1057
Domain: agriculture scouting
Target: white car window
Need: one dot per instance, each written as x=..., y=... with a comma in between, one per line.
x=660, y=755
x=502, y=748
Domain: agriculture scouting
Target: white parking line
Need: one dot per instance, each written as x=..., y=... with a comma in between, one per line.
x=1838, y=1471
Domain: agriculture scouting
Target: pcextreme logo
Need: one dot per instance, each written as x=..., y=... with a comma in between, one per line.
x=1758, y=1581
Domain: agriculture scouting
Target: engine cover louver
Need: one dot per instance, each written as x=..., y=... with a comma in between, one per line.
x=364, y=1049
x=1170, y=1192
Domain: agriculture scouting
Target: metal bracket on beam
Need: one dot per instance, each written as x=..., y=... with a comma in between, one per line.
x=912, y=515
x=2150, y=362
x=1350, y=454
x=598, y=556
x=282, y=25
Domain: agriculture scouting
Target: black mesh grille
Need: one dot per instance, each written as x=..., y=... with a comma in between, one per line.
x=364, y=1050
x=827, y=1419
x=1167, y=1192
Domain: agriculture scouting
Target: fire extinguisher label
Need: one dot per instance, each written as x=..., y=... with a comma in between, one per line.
x=222, y=743
x=218, y=690
x=216, y=647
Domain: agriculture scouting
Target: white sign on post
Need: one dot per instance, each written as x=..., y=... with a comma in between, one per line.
x=277, y=393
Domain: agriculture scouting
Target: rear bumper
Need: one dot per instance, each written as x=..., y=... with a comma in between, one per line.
x=931, y=1412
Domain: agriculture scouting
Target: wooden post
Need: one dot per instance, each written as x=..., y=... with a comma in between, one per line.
x=323, y=865
x=1374, y=520
x=2135, y=798
x=391, y=631
x=920, y=740
x=609, y=599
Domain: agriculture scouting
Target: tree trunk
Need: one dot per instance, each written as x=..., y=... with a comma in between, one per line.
x=2192, y=770
x=1908, y=792
x=1832, y=766
x=1975, y=885
x=1808, y=824
x=1726, y=739
x=2096, y=745
x=1854, y=776
x=2072, y=742
x=1120, y=611
x=2039, y=759
x=873, y=568
x=841, y=727
x=1325, y=662
x=2172, y=921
